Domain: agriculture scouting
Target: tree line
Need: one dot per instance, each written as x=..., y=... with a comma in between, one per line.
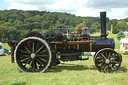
x=14, y=24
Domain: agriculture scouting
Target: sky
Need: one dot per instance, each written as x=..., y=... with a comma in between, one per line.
x=116, y=9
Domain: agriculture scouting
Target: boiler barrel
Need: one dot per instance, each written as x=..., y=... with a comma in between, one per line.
x=103, y=43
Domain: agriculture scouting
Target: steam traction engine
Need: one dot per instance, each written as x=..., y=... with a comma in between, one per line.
x=36, y=52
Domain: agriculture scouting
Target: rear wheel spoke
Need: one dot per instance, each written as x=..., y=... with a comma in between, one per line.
x=37, y=65
x=24, y=59
x=24, y=52
x=37, y=46
x=27, y=62
x=39, y=49
x=29, y=46
x=42, y=55
x=33, y=47
x=33, y=65
x=39, y=62
x=42, y=51
x=27, y=50
x=24, y=55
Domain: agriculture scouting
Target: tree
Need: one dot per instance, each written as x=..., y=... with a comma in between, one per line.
x=29, y=23
x=95, y=27
x=2, y=30
x=15, y=23
x=7, y=24
x=113, y=22
x=61, y=26
x=44, y=24
x=120, y=35
x=80, y=25
x=18, y=24
x=90, y=21
x=73, y=22
x=120, y=26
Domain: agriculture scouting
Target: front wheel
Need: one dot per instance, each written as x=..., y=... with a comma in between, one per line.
x=32, y=54
x=107, y=60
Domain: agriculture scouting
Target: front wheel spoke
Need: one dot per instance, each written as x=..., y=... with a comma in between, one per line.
x=113, y=55
x=101, y=67
x=105, y=68
x=114, y=58
x=99, y=58
x=109, y=55
x=100, y=61
x=110, y=67
x=114, y=66
x=106, y=54
x=103, y=56
x=115, y=62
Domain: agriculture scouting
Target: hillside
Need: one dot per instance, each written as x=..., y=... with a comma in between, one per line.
x=15, y=23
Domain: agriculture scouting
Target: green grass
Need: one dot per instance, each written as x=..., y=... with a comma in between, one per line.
x=68, y=73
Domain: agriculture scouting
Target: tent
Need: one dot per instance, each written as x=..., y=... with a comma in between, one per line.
x=1, y=49
x=124, y=45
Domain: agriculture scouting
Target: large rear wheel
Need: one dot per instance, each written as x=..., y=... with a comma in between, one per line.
x=32, y=54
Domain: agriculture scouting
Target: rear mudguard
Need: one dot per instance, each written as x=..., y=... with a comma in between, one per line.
x=12, y=45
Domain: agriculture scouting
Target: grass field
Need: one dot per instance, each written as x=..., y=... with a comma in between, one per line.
x=68, y=73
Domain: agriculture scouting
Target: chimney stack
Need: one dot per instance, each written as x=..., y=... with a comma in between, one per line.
x=103, y=25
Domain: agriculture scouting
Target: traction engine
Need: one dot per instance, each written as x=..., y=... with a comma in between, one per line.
x=37, y=52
